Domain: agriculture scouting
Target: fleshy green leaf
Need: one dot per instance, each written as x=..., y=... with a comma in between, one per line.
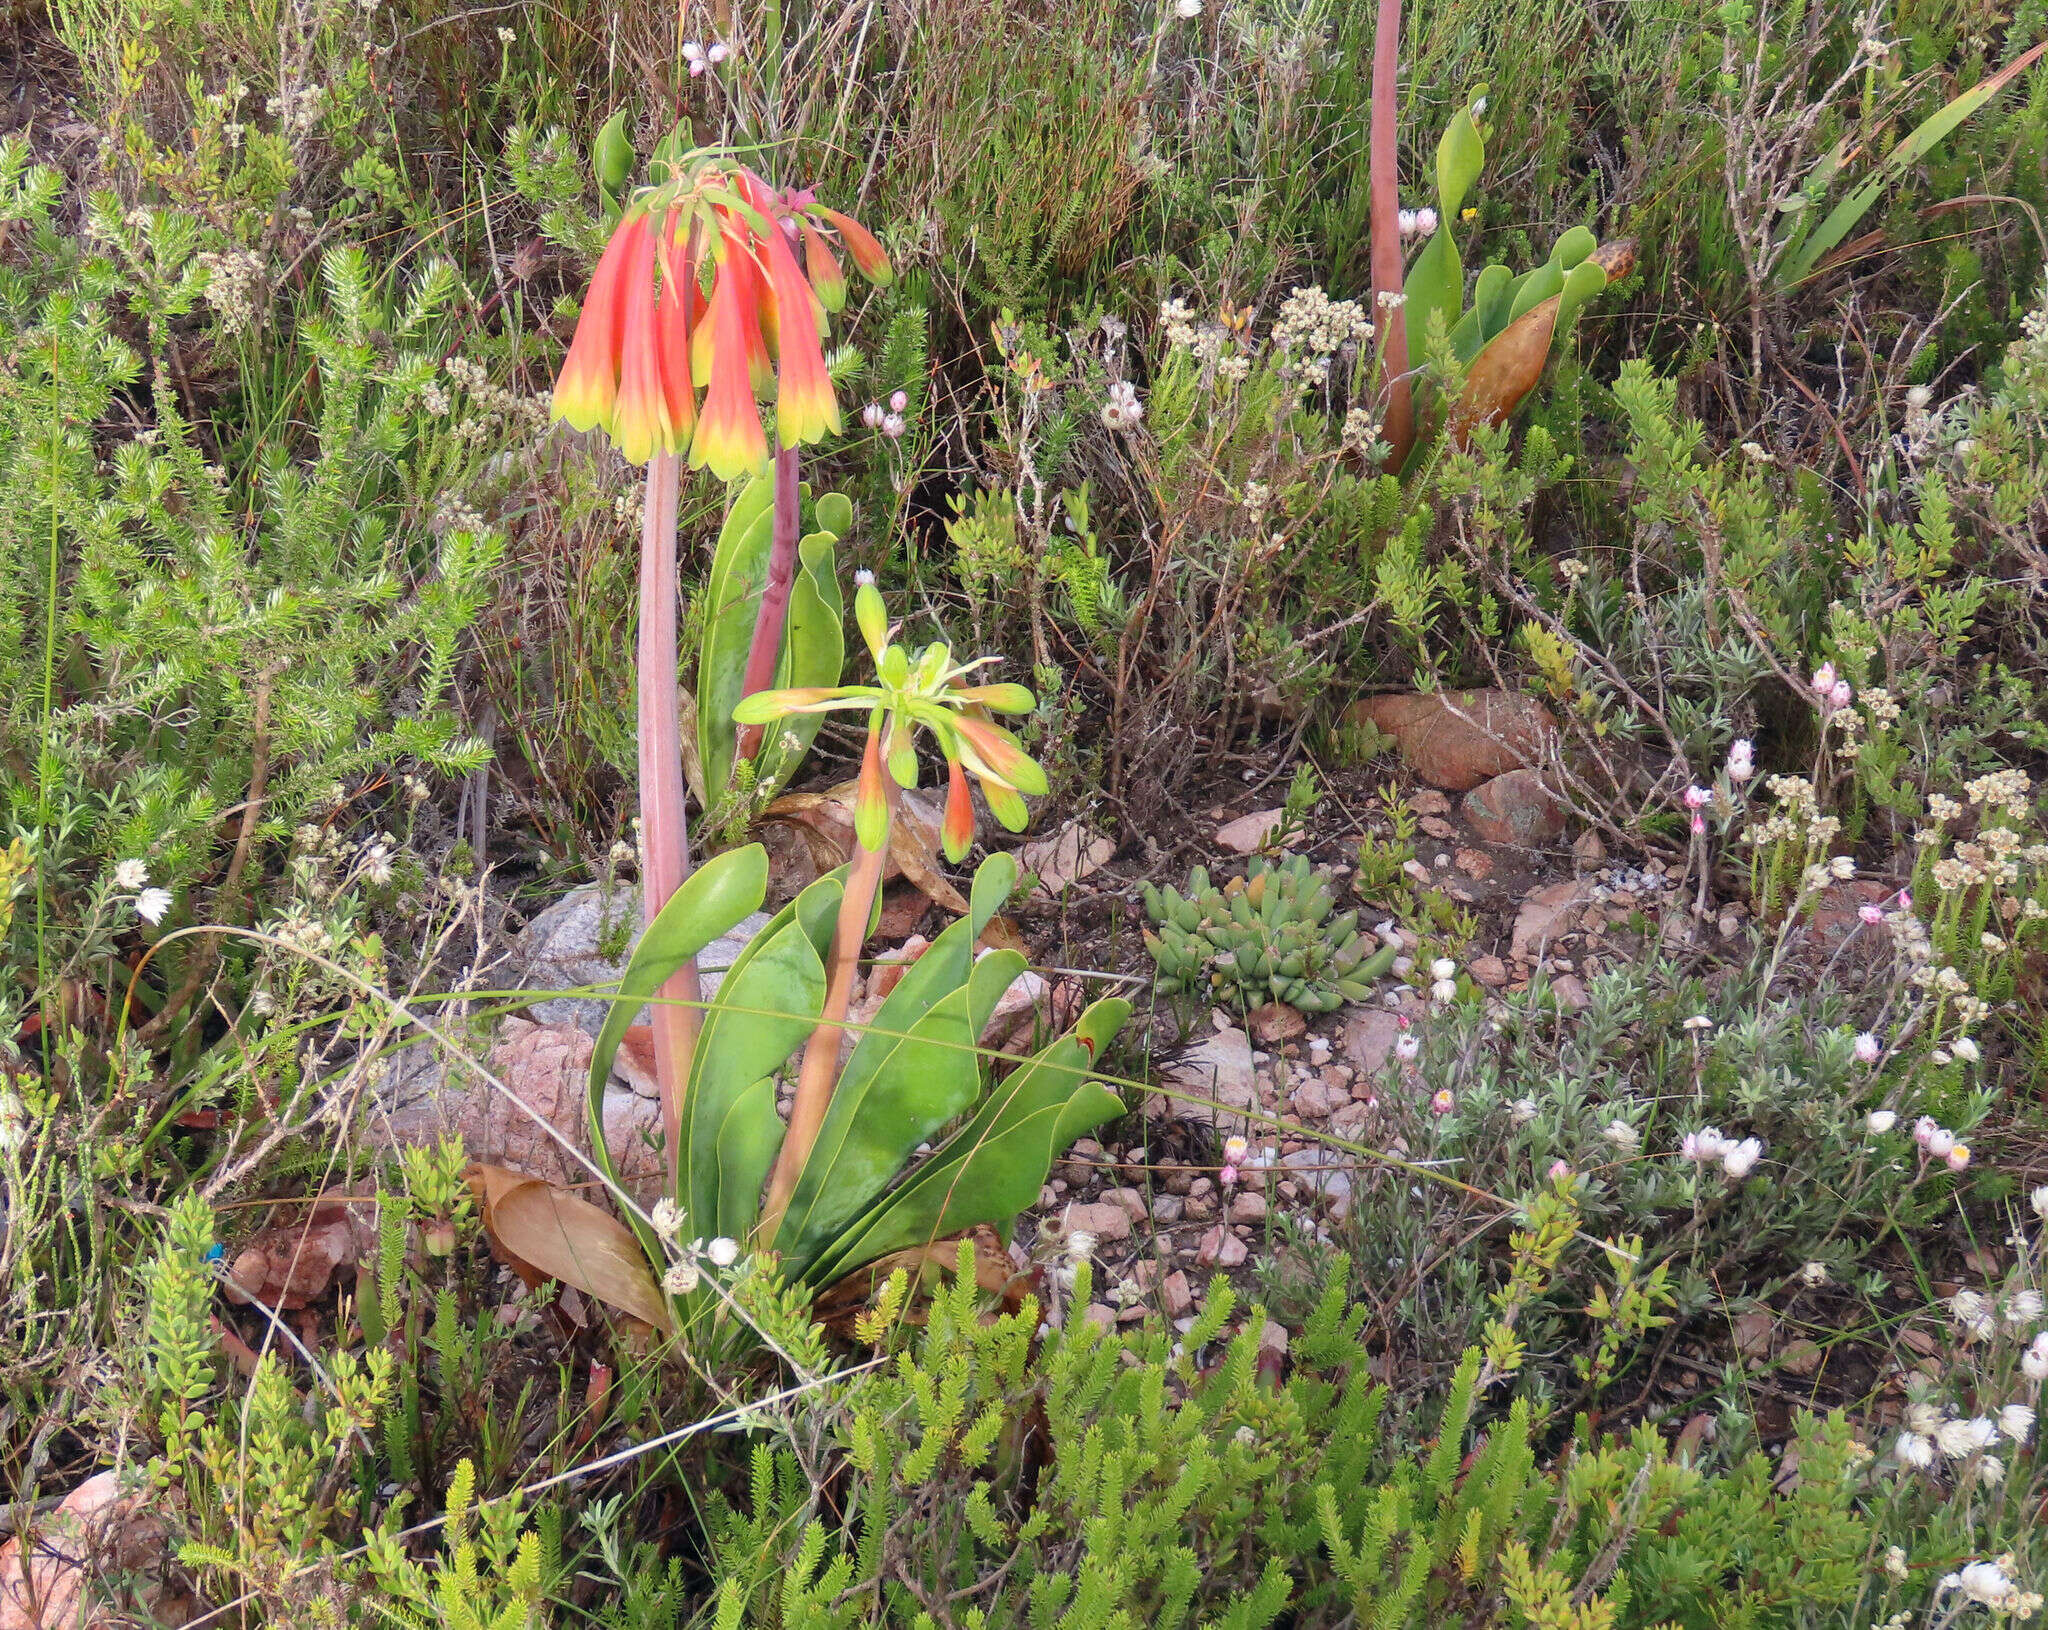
x=714, y=897
x=732, y=596
x=1459, y=156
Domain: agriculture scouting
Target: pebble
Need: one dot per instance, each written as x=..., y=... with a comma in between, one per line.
x=1179, y=1300
x=1249, y=1207
x=1130, y=1199
x=1221, y=1249
x=1105, y=1222
x=1166, y=1209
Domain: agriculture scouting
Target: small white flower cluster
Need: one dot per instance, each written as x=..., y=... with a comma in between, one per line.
x=1312, y=328
x=234, y=277
x=1443, y=974
x=13, y=1121
x=1416, y=223
x=889, y=420
x=1990, y=1584
x=1738, y=1157
x=701, y=57
x=1931, y=1434
x=1361, y=430
x=1937, y=1142
x=686, y=1273
x=297, y=109
x=132, y=877
x=1123, y=410
x=490, y=403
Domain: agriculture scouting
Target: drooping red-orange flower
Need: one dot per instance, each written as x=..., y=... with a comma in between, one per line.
x=651, y=337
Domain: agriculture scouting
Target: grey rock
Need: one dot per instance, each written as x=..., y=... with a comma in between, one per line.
x=569, y=945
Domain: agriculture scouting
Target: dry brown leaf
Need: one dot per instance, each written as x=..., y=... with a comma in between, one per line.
x=825, y=820
x=1508, y=368
x=549, y=1233
x=1001, y=934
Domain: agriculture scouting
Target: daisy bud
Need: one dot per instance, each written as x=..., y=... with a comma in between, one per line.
x=1868, y=1050
x=1814, y=1274
x=1843, y=867
x=892, y=425
x=2039, y=1201
x=1881, y=1121
x=1560, y=1172
x=1406, y=221
x=1959, y=1157
x=2016, y=1421
x=2034, y=1361
x=1964, y=1049
x=1824, y=678
x=1842, y=694
x=723, y=1252
x=1741, y=760
x=1738, y=1161
x=1914, y=1450
x=1918, y=397
x=1425, y=221
x=899, y=401
x=1523, y=1111
x=1699, y=825
x=1187, y=10
x=1940, y=1143
x=1444, y=990
x=1924, y=1129
x=1869, y=915
x=681, y=1278
x=871, y=415
x=1228, y=1175
x=1443, y=1101
x=151, y=904
x=1696, y=797
x=1443, y=968
x=1406, y=1047
x=718, y=53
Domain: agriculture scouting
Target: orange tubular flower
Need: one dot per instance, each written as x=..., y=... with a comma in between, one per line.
x=956, y=832
x=647, y=344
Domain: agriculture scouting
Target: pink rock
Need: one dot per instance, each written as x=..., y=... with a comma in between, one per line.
x=1131, y=1200
x=1249, y=1207
x=1250, y=833
x=1489, y=971
x=1276, y=1022
x=1105, y=1222
x=1101, y=1315
x=1516, y=808
x=1545, y=914
x=1175, y=1294
x=1369, y=1039
x=1220, y=1248
x=1312, y=1101
x=1457, y=739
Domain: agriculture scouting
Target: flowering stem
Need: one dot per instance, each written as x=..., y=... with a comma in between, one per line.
x=1386, y=234
x=821, y=1053
x=766, y=650
x=664, y=836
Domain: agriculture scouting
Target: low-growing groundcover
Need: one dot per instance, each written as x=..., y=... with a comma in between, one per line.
x=1628, y=1202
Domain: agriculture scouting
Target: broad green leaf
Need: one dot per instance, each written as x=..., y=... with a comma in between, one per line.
x=813, y=653
x=1546, y=282
x=1923, y=139
x=994, y=1166
x=1492, y=294
x=713, y=897
x=1436, y=282
x=747, y=1146
x=909, y=1074
x=765, y=1008
x=732, y=596
x=1459, y=156
x=1581, y=283
x=1573, y=247
x=833, y=514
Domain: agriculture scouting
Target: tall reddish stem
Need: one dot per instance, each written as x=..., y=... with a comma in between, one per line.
x=766, y=650
x=664, y=837
x=1386, y=233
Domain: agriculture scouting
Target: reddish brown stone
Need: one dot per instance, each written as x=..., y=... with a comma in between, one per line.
x=1516, y=808
x=1457, y=739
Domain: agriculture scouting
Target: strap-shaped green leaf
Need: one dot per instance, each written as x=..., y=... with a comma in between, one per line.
x=765, y=1008
x=1581, y=283
x=1536, y=287
x=1491, y=296
x=925, y=1079
x=714, y=897
x=732, y=595
x=1436, y=282
x=1919, y=142
x=913, y=1071
x=747, y=1146
x=1460, y=154
x=813, y=653
x=994, y=1166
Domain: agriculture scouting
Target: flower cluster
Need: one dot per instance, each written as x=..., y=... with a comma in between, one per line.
x=1123, y=410
x=1312, y=329
x=701, y=57
x=649, y=334
x=889, y=420
x=1737, y=1157
x=1990, y=1585
x=686, y=1272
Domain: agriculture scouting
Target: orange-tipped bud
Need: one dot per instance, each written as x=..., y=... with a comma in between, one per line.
x=1002, y=698
x=823, y=268
x=860, y=243
x=870, y=801
x=956, y=832
x=993, y=754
